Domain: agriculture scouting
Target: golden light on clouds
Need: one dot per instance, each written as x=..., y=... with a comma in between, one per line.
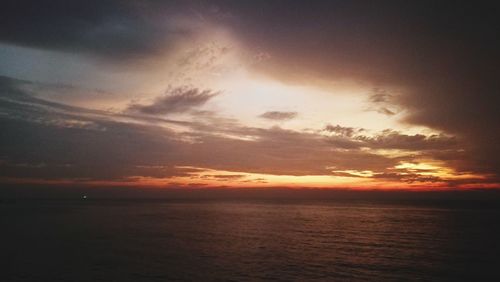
x=213, y=98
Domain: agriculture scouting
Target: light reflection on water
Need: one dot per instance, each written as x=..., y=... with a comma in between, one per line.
x=246, y=240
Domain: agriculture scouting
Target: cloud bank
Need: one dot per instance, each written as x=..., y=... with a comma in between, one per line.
x=52, y=141
x=431, y=65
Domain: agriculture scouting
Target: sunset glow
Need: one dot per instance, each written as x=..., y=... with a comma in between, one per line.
x=204, y=96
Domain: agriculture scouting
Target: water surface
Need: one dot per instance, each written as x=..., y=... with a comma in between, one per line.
x=246, y=240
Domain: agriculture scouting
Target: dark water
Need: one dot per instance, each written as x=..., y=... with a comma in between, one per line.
x=206, y=240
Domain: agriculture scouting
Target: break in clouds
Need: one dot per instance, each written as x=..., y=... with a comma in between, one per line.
x=52, y=141
x=431, y=69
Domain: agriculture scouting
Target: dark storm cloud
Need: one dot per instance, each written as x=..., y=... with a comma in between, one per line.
x=176, y=100
x=280, y=116
x=110, y=29
x=442, y=55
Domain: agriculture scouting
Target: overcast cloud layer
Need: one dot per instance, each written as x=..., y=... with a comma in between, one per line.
x=429, y=64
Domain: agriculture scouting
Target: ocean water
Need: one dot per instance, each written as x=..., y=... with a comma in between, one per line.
x=247, y=240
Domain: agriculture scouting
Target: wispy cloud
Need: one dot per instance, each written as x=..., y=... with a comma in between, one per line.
x=341, y=130
x=77, y=144
x=177, y=100
x=279, y=116
x=382, y=102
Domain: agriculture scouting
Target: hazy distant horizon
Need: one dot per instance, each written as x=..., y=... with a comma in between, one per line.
x=466, y=197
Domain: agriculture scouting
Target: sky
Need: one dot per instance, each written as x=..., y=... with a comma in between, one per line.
x=315, y=94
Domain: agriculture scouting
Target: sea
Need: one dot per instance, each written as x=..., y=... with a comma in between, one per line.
x=248, y=239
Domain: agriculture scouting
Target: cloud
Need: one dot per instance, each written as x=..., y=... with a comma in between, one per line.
x=177, y=100
x=436, y=69
x=223, y=177
x=341, y=130
x=73, y=142
x=109, y=29
x=278, y=151
x=391, y=139
x=380, y=96
x=352, y=138
x=382, y=102
x=76, y=143
x=400, y=176
x=429, y=67
x=52, y=141
x=279, y=116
